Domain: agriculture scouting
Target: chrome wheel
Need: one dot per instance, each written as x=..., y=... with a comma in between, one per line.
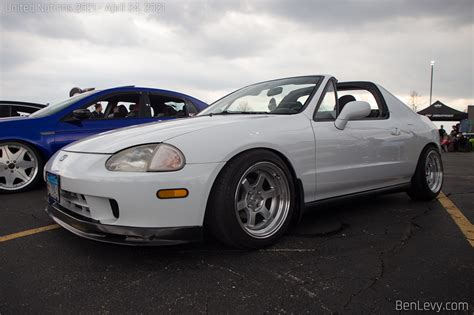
x=18, y=166
x=262, y=200
x=433, y=171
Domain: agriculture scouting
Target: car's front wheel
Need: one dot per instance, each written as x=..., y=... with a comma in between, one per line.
x=20, y=167
x=252, y=200
x=427, y=181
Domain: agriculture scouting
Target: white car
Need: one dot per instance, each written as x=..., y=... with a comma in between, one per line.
x=246, y=167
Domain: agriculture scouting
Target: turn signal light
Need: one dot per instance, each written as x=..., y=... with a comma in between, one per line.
x=172, y=193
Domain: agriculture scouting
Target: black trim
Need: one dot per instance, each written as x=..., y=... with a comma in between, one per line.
x=115, y=208
x=300, y=199
x=126, y=235
x=385, y=190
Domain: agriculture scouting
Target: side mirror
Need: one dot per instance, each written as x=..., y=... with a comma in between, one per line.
x=352, y=110
x=81, y=114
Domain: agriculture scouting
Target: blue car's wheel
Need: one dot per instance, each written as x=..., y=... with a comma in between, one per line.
x=20, y=167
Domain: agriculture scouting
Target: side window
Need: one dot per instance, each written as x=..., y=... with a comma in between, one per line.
x=361, y=94
x=22, y=110
x=120, y=106
x=4, y=110
x=166, y=106
x=191, y=109
x=327, y=106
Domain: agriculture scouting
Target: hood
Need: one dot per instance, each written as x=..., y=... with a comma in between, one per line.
x=116, y=140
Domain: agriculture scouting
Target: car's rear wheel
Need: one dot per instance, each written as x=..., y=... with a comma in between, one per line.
x=427, y=181
x=252, y=200
x=21, y=166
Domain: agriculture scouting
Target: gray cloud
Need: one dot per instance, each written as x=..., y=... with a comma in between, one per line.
x=57, y=26
x=329, y=15
x=352, y=14
x=208, y=48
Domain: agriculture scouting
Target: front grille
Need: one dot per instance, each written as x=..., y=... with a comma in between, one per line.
x=75, y=202
x=90, y=207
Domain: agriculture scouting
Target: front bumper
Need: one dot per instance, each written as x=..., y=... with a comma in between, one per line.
x=93, y=229
x=123, y=207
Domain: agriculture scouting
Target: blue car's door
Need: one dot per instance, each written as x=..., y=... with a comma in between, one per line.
x=119, y=110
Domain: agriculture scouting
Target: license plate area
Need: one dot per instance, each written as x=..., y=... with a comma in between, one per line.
x=53, y=185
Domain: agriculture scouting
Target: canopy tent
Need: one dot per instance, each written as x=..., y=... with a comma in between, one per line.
x=441, y=112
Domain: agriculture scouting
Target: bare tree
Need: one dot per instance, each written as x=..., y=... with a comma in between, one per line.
x=243, y=105
x=414, y=100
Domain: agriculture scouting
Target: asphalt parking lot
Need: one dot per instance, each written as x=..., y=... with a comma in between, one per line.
x=356, y=257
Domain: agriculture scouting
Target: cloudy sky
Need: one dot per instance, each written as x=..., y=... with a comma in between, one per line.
x=209, y=48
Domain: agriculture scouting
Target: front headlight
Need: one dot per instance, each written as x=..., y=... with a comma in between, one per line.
x=157, y=157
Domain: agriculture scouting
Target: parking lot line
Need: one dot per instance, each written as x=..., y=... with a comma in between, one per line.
x=462, y=222
x=28, y=232
x=466, y=227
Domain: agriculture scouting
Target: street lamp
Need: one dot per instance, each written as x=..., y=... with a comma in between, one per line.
x=431, y=85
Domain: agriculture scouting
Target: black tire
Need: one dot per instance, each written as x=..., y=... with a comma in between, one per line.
x=222, y=218
x=39, y=173
x=420, y=189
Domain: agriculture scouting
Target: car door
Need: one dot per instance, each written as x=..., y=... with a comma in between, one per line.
x=361, y=157
x=70, y=129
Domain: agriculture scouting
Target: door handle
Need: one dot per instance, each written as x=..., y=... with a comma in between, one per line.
x=395, y=131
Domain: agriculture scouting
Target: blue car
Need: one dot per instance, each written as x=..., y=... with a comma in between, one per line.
x=26, y=143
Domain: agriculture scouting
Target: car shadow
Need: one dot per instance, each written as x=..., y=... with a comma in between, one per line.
x=321, y=222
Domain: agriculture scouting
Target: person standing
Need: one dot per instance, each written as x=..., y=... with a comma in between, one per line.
x=442, y=132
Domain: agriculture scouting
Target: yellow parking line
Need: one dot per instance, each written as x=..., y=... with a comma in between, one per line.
x=462, y=222
x=28, y=232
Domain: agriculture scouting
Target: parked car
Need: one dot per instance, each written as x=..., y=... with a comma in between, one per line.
x=26, y=143
x=14, y=108
x=245, y=167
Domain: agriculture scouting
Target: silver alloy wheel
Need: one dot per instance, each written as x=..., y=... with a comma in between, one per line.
x=433, y=171
x=262, y=200
x=18, y=166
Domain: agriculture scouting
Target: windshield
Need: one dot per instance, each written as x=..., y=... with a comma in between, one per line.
x=283, y=96
x=54, y=108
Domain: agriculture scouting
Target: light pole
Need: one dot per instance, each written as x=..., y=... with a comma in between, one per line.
x=431, y=84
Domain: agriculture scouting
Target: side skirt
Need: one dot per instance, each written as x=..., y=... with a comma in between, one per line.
x=345, y=198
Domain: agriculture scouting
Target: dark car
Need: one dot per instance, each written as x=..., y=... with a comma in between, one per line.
x=14, y=108
x=27, y=142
